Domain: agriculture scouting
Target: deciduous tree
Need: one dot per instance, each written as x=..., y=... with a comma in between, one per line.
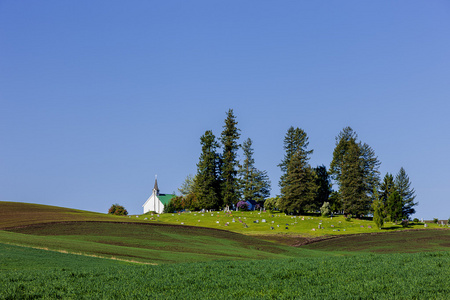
x=188, y=185
x=378, y=210
x=117, y=209
x=378, y=213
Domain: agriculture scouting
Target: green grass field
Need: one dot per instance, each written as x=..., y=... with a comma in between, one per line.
x=37, y=274
x=50, y=252
x=260, y=223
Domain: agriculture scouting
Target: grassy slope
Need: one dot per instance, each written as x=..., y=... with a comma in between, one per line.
x=15, y=214
x=153, y=240
x=296, y=225
x=148, y=242
x=73, y=231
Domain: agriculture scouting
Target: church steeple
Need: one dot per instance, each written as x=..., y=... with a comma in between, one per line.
x=155, y=188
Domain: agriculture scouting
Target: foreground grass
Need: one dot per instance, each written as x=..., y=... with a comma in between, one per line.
x=30, y=273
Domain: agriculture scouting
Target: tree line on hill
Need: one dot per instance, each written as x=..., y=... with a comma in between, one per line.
x=222, y=181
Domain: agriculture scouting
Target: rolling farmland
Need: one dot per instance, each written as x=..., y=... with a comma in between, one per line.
x=50, y=252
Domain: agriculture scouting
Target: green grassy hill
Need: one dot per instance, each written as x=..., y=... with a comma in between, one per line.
x=266, y=223
x=73, y=231
x=194, y=237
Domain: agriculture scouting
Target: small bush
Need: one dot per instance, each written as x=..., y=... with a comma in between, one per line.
x=435, y=220
x=405, y=223
x=270, y=203
x=415, y=220
x=242, y=206
x=117, y=209
x=325, y=209
x=348, y=218
x=175, y=204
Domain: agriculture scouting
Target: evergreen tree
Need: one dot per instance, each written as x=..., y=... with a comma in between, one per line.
x=355, y=169
x=298, y=181
x=351, y=185
x=371, y=175
x=335, y=202
x=323, y=182
x=295, y=141
x=246, y=174
x=344, y=140
x=394, y=207
x=387, y=187
x=403, y=187
x=207, y=183
x=255, y=184
x=230, y=136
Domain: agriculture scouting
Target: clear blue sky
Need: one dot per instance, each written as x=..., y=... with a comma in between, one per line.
x=96, y=97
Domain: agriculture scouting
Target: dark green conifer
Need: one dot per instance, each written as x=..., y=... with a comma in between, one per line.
x=298, y=181
x=403, y=187
x=355, y=169
x=229, y=138
x=255, y=184
x=207, y=183
x=387, y=187
x=323, y=181
x=395, y=207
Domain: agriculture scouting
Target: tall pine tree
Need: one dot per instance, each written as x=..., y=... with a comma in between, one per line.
x=207, y=180
x=387, y=187
x=297, y=183
x=403, y=187
x=323, y=182
x=355, y=169
x=255, y=184
x=394, y=206
x=229, y=138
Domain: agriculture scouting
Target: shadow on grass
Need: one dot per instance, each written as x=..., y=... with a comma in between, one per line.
x=391, y=228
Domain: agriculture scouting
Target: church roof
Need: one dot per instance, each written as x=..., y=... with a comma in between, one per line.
x=165, y=198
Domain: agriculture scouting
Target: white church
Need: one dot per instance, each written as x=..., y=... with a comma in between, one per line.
x=157, y=201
